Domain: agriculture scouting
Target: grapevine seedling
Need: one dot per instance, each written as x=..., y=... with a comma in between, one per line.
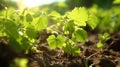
x=103, y=39
x=56, y=41
x=71, y=49
x=22, y=29
x=71, y=31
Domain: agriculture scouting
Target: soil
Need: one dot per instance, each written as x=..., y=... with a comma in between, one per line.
x=90, y=55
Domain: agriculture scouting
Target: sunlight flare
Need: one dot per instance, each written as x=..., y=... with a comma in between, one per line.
x=31, y=3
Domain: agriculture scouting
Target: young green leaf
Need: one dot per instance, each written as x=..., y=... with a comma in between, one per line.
x=31, y=32
x=29, y=17
x=93, y=21
x=72, y=49
x=103, y=39
x=100, y=44
x=15, y=45
x=106, y=36
x=61, y=41
x=69, y=27
x=52, y=41
x=79, y=15
x=56, y=42
x=76, y=50
x=25, y=44
x=22, y=17
x=11, y=28
x=20, y=62
x=80, y=35
x=55, y=15
x=42, y=23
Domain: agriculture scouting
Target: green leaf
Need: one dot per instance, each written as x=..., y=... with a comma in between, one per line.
x=116, y=1
x=29, y=17
x=56, y=42
x=100, y=44
x=55, y=14
x=31, y=32
x=52, y=41
x=80, y=35
x=106, y=36
x=21, y=17
x=103, y=38
x=61, y=41
x=79, y=15
x=72, y=49
x=25, y=44
x=11, y=28
x=15, y=44
x=76, y=50
x=42, y=23
x=68, y=48
x=62, y=4
x=93, y=21
x=21, y=62
x=69, y=27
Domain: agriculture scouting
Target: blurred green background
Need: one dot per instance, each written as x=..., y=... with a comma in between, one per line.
x=107, y=11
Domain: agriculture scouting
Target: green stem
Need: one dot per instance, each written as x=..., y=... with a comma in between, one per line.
x=86, y=62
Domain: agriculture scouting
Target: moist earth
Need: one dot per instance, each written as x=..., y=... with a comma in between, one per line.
x=90, y=55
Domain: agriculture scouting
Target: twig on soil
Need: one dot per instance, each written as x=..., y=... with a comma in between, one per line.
x=91, y=55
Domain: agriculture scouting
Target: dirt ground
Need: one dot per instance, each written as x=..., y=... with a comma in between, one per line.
x=90, y=55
